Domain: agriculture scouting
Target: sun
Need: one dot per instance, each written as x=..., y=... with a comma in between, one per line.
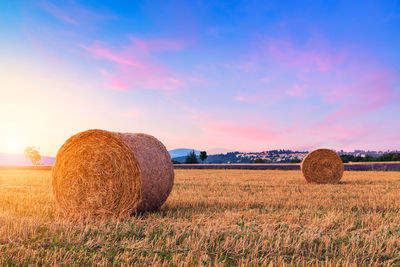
x=11, y=144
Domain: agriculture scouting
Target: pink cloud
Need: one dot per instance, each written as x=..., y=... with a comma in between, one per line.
x=99, y=51
x=245, y=97
x=371, y=90
x=297, y=90
x=267, y=96
x=344, y=133
x=365, y=88
x=73, y=13
x=117, y=84
x=311, y=58
x=240, y=130
x=58, y=13
x=245, y=66
x=265, y=79
x=157, y=44
x=131, y=113
x=135, y=65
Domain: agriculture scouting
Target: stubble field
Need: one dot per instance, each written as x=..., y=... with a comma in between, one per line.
x=213, y=217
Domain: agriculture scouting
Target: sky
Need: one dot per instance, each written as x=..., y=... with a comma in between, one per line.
x=240, y=75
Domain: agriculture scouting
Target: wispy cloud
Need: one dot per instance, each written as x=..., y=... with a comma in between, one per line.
x=98, y=50
x=73, y=13
x=297, y=90
x=245, y=97
x=241, y=130
x=156, y=44
x=114, y=81
x=132, y=113
x=311, y=57
x=135, y=65
x=58, y=13
x=372, y=88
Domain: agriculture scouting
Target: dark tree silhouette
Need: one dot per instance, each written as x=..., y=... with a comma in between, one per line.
x=191, y=158
x=203, y=156
x=295, y=160
x=392, y=156
x=33, y=154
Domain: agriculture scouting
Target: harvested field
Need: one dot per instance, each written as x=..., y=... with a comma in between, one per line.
x=213, y=217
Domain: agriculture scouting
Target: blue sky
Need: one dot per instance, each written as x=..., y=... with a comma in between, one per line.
x=243, y=75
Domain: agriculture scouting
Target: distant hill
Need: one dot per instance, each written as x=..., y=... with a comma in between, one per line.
x=182, y=159
x=214, y=155
x=182, y=152
x=19, y=159
x=218, y=158
x=214, y=151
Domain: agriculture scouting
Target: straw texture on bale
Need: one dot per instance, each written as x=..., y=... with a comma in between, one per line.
x=105, y=174
x=322, y=166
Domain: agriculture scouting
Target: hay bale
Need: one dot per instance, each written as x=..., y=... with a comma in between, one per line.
x=106, y=174
x=322, y=166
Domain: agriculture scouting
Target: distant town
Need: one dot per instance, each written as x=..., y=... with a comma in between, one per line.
x=275, y=156
x=272, y=156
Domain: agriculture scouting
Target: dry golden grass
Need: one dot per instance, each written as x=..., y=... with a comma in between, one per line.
x=213, y=217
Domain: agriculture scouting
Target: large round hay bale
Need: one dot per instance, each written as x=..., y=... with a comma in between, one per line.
x=322, y=166
x=106, y=174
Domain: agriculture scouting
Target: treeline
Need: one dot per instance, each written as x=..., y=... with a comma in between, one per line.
x=384, y=157
x=218, y=158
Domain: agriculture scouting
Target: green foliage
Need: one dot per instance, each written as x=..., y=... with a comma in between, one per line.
x=389, y=157
x=191, y=158
x=295, y=160
x=175, y=162
x=385, y=157
x=258, y=160
x=203, y=156
x=346, y=158
x=33, y=154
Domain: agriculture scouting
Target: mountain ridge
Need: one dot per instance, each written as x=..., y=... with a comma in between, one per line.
x=182, y=152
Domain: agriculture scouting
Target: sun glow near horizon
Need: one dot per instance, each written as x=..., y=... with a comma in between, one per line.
x=11, y=144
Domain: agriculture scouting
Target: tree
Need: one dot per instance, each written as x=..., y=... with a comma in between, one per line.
x=347, y=158
x=295, y=160
x=191, y=158
x=203, y=156
x=389, y=157
x=33, y=154
x=258, y=160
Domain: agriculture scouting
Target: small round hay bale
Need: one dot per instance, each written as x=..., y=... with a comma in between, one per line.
x=105, y=174
x=322, y=166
